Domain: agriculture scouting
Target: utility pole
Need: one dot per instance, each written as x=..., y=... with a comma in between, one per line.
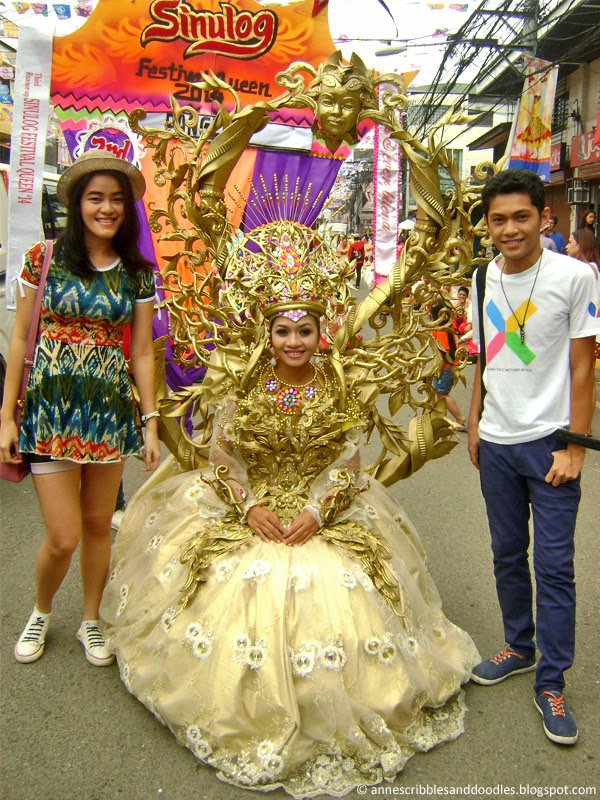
x=531, y=15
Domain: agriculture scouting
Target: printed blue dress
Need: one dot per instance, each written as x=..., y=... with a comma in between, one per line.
x=78, y=404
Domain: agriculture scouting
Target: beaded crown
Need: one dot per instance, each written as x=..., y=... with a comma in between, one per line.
x=284, y=268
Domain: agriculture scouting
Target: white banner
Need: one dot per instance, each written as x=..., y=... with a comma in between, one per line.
x=386, y=199
x=530, y=143
x=28, y=146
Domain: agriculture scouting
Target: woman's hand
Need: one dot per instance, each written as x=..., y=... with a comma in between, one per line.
x=9, y=443
x=266, y=524
x=302, y=529
x=151, y=449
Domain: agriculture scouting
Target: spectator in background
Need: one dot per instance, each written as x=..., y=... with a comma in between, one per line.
x=546, y=242
x=401, y=242
x=462, y=325
x=342, y=248
x=356, y=253
x=445, y=381
x=583, y=246
x=588, y=220
x=368, y=249
x=552, y=233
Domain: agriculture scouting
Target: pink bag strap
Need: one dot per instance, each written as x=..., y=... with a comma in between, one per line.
x=35, y=319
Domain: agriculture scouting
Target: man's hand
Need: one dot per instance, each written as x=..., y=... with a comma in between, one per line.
x=473, y=442
x=474, y=414
x=301, y=529
x=266, y=524
x=566, y=466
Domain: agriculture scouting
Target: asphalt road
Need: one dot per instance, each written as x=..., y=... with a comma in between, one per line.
x=70, y=731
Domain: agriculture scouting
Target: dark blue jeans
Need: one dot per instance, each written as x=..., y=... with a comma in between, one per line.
x=512, y=482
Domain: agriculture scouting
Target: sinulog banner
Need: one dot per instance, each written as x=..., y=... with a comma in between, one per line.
x=140, y=54
x=124, y=56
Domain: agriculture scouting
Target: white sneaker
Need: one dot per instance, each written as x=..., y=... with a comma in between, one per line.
x=96, y=650
x=117, y=519
x=31, y=642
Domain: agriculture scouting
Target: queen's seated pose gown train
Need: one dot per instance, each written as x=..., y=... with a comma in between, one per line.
x=315, y=668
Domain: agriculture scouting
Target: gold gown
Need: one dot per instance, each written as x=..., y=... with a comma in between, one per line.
x=313, y=668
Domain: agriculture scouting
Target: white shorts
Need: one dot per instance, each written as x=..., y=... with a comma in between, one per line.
x=47, y=467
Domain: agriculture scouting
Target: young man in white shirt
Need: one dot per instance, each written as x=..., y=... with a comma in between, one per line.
x=539, y=320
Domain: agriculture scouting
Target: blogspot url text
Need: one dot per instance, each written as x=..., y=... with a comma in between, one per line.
x=476, y=790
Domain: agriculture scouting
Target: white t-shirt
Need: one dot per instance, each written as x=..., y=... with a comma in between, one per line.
x=528, y=385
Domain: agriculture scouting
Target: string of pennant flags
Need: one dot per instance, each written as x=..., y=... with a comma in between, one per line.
x=81, y=8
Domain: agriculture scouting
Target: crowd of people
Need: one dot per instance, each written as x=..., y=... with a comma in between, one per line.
x=242, y=579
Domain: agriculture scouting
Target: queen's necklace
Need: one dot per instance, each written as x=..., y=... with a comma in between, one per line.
x=290, y=397
x=522, y=324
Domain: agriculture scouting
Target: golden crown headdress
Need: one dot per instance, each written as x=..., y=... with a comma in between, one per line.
x=284, y=268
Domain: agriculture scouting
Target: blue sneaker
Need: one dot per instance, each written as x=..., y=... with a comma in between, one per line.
x=559, y=725
x=502, y=666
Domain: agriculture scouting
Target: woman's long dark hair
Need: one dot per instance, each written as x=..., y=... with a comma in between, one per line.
x=70, y=247
x=588, y=245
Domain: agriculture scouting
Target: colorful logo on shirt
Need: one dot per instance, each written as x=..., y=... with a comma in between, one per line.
x=508, y=332
x=594, y=310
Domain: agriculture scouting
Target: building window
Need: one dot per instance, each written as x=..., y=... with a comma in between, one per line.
x=446, y=182
x=422, y=116
x=560, y=115
x=486, y=120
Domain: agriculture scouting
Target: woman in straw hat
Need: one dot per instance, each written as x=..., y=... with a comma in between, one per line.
x=78, y=421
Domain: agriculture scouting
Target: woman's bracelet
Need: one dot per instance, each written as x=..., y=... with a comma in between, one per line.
x=151, y=415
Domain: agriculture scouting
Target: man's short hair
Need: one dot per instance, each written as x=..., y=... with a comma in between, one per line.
x=554, y=219
x=514, y=181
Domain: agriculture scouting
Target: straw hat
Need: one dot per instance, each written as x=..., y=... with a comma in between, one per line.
x=96, y=161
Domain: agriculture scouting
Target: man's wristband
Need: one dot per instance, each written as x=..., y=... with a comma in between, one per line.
x=576, y=438
x=151, y=415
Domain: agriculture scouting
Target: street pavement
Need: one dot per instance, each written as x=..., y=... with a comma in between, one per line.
x=70, y=731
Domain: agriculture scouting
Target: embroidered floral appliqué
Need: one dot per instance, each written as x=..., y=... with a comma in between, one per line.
x=167, y=619
x=154, y=542
x=199, y=640
x=126, y=676
x=347, y=579
x=166, y=573
x=252, y=654
x=197, y=743
x=332, y=657
x=302, y=662
x=384, y=650
x=224, y=570
x=300, y=577
x=151, y=519
x=194, y=492
x=257, y=571
x=124, y=598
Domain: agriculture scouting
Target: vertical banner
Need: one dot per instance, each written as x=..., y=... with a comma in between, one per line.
x=28, y=145
x=531, y=134
x=386, y=199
